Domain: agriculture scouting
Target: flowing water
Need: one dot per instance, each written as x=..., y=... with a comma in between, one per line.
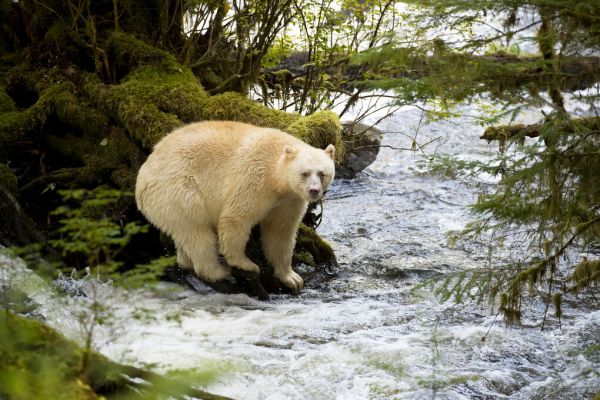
x=366, y=334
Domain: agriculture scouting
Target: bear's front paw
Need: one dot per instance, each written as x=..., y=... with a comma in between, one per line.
x=291, y=280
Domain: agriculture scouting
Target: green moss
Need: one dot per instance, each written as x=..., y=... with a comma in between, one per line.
x=319, y=130
x=172, y=87
x=61, y=42
x=308, y=241
x=72, y=111
x=129, y=52
x=6, y=103
x=303, y=257
x=236, y=107
x=34, y=79
x=38, y=363
x=69, y=146
x=210, y=78
x=124, y=177
x=117, y=149
x=156, y=96
x=103, y=156
x=59, y=100
x=586, y=274
x=10, y=127
x=8, y=179
x=130, y=104
x=156, y=76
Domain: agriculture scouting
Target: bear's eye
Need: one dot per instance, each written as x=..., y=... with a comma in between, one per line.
x=321, y=174
x=306, y=174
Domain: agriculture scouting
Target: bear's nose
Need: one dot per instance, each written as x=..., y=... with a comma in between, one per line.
x=314, y=192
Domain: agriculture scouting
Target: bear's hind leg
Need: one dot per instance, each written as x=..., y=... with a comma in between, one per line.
x=201, y=249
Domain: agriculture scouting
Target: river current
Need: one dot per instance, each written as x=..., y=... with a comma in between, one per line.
x=366, y=334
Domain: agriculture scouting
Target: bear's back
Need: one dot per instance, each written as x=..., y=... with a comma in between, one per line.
x=226, y=144
x=214, y=153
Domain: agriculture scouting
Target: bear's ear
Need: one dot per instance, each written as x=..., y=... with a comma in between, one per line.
x=290, y=152
x=330, y=150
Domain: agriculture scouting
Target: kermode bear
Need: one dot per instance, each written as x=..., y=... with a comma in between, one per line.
x=209, y=183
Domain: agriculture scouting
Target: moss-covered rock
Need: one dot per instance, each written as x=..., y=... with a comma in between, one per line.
x=319, y=129
x=14, y=124
x=130, y=103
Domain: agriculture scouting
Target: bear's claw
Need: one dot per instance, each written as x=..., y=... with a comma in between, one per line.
x=292, y=280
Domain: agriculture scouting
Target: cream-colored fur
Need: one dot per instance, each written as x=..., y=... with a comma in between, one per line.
x=207, y=184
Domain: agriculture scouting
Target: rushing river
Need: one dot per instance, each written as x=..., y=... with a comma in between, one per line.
x=366, y=334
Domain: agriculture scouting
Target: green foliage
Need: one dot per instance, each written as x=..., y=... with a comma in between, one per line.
x=545, y=205
x=313, y=73
x=281, y=48
x=547, y=197
x=426, y=66
x=88, y=229
x=145, y=274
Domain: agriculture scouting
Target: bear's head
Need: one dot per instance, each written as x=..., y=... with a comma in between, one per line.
x=308, y=170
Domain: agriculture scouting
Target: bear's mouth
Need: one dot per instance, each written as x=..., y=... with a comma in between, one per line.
x=314, y=196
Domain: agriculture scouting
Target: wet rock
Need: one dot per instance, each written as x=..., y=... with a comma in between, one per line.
x=362, y=146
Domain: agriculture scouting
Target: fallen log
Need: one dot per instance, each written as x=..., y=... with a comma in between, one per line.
x=508, y=132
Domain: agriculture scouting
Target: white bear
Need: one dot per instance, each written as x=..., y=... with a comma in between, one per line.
x=207, y=184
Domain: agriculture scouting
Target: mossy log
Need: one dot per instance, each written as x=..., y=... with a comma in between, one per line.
x=505, y=133
x=39, y=363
